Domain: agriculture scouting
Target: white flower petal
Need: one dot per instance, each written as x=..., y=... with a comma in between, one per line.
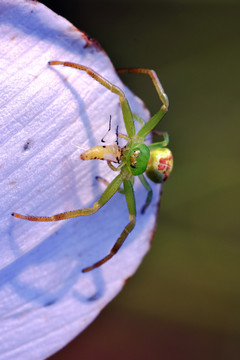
x=46, y=113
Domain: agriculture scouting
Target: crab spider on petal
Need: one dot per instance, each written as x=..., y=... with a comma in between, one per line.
x=133, y=159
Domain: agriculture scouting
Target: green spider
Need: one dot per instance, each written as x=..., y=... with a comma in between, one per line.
x=133, y=159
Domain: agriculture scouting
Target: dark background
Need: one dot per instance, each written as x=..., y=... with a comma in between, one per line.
x=184, y=301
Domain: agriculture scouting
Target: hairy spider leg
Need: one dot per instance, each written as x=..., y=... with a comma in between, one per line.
x=129, y=194
x=150, y=125
x=106, y=183
x=107, y=194
x=149, y=192
x=160, y=144
x=126, y=111
x=121, y=191
x=138, y=119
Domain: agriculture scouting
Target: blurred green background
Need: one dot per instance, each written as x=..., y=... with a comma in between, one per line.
x=184, y=301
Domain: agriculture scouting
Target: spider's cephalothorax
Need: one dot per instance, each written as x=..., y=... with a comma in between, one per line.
x=138, y=157
x=134, y=159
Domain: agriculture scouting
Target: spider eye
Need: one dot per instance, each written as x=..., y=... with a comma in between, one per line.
x=160, y=165
x=138, y=159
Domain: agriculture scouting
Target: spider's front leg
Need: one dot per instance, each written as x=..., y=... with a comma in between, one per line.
x=128, y=190
x=126, y=111
x=151, y=124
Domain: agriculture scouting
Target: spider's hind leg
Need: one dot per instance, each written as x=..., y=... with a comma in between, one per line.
x=128, y=191
x=149, y=195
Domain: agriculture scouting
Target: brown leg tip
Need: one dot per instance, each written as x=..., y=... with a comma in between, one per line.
x=87, y=269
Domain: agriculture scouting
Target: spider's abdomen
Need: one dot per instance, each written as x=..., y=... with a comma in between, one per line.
x=160, y=165
x=138, y=158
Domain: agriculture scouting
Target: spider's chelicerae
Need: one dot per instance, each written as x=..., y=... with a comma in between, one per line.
x=134, y=159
